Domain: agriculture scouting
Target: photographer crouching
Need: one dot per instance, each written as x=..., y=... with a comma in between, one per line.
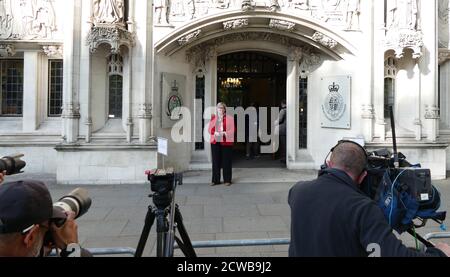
x=31, y=226
x=332, y=217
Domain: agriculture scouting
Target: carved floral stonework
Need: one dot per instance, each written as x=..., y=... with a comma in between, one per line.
x=405, y=39
x=432, y=112
x=7, y=50
x=444, y=55
x=282, y=25
x=443, y=15
x=189, y=38
x=145, y=111
x=199, y=55
x=324, y=40
x=53, y=51
x=295, y=53
x=112, y=35
x=235, y=24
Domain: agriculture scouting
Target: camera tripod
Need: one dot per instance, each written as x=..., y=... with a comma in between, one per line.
x=168, y=219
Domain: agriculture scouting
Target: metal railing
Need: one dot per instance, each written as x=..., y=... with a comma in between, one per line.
x=229, y=243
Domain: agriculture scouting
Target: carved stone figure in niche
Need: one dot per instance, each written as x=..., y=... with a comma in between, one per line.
x=402, y=14
x=162, y=9
x=6, y=16
x=191, y=8
x=44, y=21
x=353, y=11
x=108, y=11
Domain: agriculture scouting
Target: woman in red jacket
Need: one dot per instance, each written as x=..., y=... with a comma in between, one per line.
x=221, y=129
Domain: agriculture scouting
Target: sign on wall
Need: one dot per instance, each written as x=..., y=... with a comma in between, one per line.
x=336, y=102
x=172, y=98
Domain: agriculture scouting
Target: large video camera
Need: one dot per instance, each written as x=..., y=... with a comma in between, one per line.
x=12, y=164
x=163, y=183
x=402, y=190
x=167, y=215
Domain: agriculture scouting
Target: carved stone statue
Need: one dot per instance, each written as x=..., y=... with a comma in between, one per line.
x=44, y=20
x=162, y=9
x=353, y=11
x=274, y=5
x=108, y=11
x=402, y=14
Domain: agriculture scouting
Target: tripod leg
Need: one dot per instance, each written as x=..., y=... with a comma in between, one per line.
x=161, y=230
x=190, y=252
x=149, y=220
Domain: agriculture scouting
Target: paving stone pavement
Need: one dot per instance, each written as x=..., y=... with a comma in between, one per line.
x=246, y=210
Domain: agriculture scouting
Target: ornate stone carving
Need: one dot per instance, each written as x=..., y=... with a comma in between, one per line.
x=163, y=9
x=352, y=15
x=324, y=40
x=246, y=5
x=295, y=53
x=53, y=51
x=27, y=20
x=114, y=36
x=432, y=112
x=310, y=61
x=71, y=111
x=444, y=55
x=145, y=111
x=402, y=14
x=189, y=38
x=108, y=12
x=368, y=112
x=281, y=25
x=405, y=39
x=443, y=14
x=199, y=55
x=235, y=24
x=274, y=5
x=7, y=50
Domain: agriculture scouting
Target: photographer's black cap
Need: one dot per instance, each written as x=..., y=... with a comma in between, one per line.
x=25, y=203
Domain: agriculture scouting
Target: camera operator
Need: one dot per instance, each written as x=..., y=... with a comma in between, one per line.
x=27, y=219
x=331, y=217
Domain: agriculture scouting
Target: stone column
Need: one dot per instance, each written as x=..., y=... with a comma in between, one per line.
x=429, y=69
x=143, y=68
x=378, y=69
x=292, y=89
x=71, y=108
x=365, y=82
x=31, y=91
x=85, y=74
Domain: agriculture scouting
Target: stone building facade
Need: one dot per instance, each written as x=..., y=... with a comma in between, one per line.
x=84, y=83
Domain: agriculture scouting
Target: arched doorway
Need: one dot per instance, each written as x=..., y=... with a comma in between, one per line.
x=252, y=79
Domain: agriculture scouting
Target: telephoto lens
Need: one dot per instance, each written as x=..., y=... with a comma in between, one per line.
x=12, y=164
x=77, y=201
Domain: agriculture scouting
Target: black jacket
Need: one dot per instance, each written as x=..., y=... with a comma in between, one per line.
x=331, y=217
